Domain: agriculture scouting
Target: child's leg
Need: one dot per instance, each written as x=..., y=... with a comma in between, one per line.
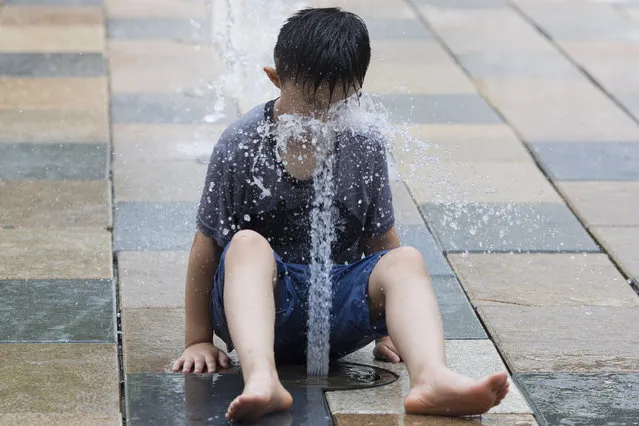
x=400, y=286
x=250, y=275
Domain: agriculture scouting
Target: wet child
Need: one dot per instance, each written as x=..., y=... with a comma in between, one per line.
x=247, y=278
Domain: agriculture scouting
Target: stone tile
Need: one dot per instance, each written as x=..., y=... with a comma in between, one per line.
x=564, y=338
x=67, y=311
x=164, y=108
x=185, y=30
x=473, y=358
x=59, y=419
x=412, y=420
x=463, y=4
x=381, y=28
x=500, y=227
x=602, y=399
x=161, y=66
x=366, y=9
x=542, y=280
x=154, y=226
x=53, y=162
x=589, y=161
x=576, y=20
x=417, y=236
x=473, y=182
x=43, y=38
x=603, y=203
x=405, y=209
x=80, y=379
x=630, y=101
x=50, y=16
x=52, y=64
x=152, y=338
x=402, y=52
x=483, y=31
x=450, y=108
x=525, y=103
x=459, y=318
x=181, y=398
x=621, y=244
x=442, y=79
x=39, y=253
x=519, y=64
x=74, y=3
x=176, y=9
x=152, y=279
x=73, y=94
x=55, y=204
x=54, y=126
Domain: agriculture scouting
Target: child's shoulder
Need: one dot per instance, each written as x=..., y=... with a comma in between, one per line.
x=244, y=128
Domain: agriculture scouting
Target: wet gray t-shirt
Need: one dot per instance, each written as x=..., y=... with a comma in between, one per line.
x=247, y=187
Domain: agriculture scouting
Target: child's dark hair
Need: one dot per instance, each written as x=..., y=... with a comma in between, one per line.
x=323, y=45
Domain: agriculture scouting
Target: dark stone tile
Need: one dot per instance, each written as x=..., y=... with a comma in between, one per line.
x=611, y=161
x=418, y=236
x=518, y=64
x=164, y=108
x=54, y=2
x=582, y=399
x=154, y=226
x=72, y=161
x=204, y=398
x=57, y=310
x=499, y=227
x=158, y=29
x=460, y=320
x=384, y=29
x=434, y=109
x=52, y=65
x=463, y=4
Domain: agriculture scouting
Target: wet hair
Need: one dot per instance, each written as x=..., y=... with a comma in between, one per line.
x=323, y=46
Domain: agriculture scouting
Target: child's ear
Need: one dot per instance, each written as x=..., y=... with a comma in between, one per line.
x=272, y=75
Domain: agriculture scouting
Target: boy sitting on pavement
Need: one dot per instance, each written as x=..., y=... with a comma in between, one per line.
x=248, y=270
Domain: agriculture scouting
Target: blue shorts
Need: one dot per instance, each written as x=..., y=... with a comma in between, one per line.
x=351, y=327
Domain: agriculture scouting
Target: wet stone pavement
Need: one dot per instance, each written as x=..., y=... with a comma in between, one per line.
x=524, y=203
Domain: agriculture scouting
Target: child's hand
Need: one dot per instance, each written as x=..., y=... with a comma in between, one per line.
x=203, y=358
x=385, y=350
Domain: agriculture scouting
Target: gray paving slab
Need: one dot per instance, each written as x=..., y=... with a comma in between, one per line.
x=462, y=4
x=52, y=65
x=419, y=237
x=57, y=311
x=439, y=109
x=550, y=64
x=157, y=29
x=503, y=227
x=154, y=226
x=459, y=318
x=580, y=399
x=609, y=161
x=630, y=101
x=73, y=3
x=164, y=108
x=72, y=161
x=385, y=29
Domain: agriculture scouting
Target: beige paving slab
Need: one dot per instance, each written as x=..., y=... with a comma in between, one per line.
x=565, y=338
x=62, y=379
x=78, y=94
x=161, y=66
x=603, y=203
x=39, y=253
x=152, y=339
x=400, y=52
x=50, y=15
x=633, y=12
x=388, y=9
x=542, y=279
x=546, y=110
x=57, y=419
x=152, y=279
x=51, y=38
x=444, y=78
x=45, y=204
x=412, y=420
x=621, y=244
x=485, y=182
x=487, y=31
x=170, y=9
x=474, y=358
x=54, y=126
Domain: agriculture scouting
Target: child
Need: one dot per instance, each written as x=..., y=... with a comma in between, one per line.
x=247, y=277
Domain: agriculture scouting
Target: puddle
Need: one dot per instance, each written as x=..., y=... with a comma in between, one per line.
x=341, y=376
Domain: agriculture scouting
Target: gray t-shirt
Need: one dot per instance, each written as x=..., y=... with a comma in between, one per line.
x=247, y=187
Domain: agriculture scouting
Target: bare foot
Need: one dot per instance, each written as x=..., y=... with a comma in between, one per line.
x=451, y=394
x=263, y=394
